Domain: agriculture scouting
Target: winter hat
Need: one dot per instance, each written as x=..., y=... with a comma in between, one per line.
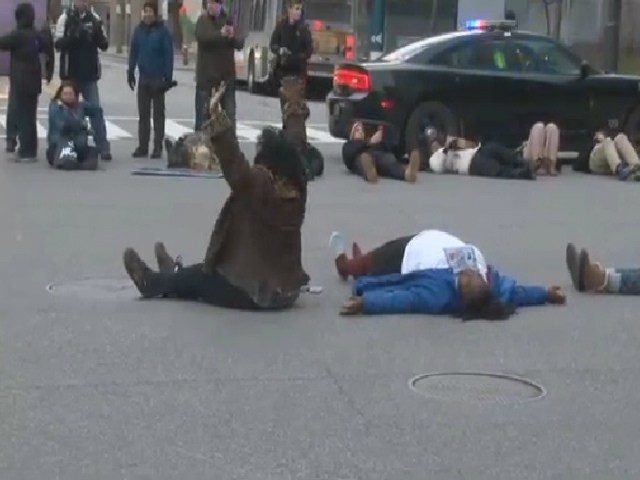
x=152, y=5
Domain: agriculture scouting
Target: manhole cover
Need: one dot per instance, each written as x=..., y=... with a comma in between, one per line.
x=95, y=288
x=477, y=387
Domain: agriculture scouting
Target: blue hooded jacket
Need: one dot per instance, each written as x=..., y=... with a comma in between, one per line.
x=66, y=123
x=152, y=52
x=435, y=292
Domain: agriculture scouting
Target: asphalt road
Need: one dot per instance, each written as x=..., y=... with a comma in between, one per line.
x=100, y=385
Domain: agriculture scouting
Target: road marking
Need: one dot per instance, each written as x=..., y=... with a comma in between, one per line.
x=320, y=136
x=247, y=133
x=114, y=132
x=174, y=130
x=42, y=132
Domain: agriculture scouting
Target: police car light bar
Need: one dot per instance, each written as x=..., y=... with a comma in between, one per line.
x=504, y=25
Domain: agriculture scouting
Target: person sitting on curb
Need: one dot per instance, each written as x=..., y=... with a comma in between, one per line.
x=368, y=155
x=439, y=274
x=592, y=277
x=610, y=155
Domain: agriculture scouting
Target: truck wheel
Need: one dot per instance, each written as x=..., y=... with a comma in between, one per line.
x=252, y=87
x=435, y=114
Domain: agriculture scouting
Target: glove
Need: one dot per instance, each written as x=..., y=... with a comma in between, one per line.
x=131, y=80
x=284, y=51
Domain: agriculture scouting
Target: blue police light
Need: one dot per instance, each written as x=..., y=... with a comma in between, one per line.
x=476, y=24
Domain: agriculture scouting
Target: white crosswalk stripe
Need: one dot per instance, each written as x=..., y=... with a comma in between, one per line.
x=126, y=128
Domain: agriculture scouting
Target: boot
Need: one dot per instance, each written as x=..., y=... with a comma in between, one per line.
x=141, y=275
x=572, y=261
x=523, y=173
x=166, y=263
x=12, y=144
x=591, y=274
x=368, y=168
x=411, y=172
x=356, y=251
x=157, y=152
x=355, y=267
x=140, y=152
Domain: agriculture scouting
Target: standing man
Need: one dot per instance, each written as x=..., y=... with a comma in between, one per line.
x=26, y=44
x=152, y=52
x=79, y=34
x=217, y=41
x=292, y=45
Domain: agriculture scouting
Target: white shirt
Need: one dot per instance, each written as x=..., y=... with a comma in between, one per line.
x=454, y=161
x=427, y=250
x=62, y=20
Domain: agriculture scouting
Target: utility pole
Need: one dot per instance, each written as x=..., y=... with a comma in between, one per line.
x=612, y=35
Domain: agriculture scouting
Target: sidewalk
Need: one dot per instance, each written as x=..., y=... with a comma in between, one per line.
x=4, y=88
x=177, y=59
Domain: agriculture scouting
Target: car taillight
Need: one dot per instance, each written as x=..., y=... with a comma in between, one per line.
x=352, y=79
x=350, y=48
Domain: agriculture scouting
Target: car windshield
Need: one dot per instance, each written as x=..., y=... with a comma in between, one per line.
x=408, y=51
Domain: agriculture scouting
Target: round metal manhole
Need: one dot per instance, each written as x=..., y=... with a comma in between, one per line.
x=477, y=387
x=95, y=288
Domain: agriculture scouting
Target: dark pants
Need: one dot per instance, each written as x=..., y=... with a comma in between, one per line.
x=387, y=258
x=150, y=95
x=87, y=156
x=191, y=283
x=12, y=121
x=228, y=102
x=26, y=110
x=386, y=163
x=497, y=161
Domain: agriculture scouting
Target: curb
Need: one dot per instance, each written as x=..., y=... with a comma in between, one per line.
x=122, y=57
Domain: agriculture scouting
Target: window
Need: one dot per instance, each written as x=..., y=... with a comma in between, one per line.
x=258, y=15
x=485, y=54
x=542, y=55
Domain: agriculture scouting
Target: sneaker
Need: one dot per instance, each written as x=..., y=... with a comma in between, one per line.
x=106, y=156
x=624, y=171
x=140, y=153
x=11, y=145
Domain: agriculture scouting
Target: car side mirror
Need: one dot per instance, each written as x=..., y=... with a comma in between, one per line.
x=585, y=70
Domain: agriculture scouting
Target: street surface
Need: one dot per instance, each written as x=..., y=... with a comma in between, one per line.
x=100, y=385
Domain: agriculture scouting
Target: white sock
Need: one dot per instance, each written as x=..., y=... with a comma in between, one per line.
x=336, y=244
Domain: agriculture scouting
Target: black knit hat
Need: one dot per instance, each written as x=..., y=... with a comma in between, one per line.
x=152, y=5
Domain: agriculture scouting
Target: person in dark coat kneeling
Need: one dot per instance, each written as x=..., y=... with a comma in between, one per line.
x=253, y=260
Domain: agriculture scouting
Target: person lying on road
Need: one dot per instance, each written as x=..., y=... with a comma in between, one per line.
x=589, y=276
x=253, y=260
x=366, y=154
x=440, y=274
x=612, y=155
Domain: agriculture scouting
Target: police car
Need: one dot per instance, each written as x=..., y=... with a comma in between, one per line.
x=489, y=82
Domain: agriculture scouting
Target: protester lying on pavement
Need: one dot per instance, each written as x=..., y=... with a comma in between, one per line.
x=68, y=136
x=611, y=154
x=541, y=148
x=439, y=274
x=366, y=154
x=253, y=260
x=589, y=276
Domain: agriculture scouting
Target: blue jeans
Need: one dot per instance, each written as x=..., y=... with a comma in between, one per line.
x=623, y=281
x=91, y=94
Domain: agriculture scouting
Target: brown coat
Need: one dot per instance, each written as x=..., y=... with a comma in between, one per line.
x=256, y=241
x=215, y=61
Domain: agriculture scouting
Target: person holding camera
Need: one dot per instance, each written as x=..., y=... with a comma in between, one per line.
x=292, y=45
x=151, y=52
x=78, y=36
x=216, y=37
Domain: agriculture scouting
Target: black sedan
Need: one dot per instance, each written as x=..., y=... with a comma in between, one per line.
x=488, y=85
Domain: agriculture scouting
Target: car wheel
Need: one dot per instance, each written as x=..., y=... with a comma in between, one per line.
x=251, y=75
x=433, y=114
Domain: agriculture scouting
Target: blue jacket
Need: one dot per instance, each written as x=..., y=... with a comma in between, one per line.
x=70, y=123
x=435, y=292
x=152, y=52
